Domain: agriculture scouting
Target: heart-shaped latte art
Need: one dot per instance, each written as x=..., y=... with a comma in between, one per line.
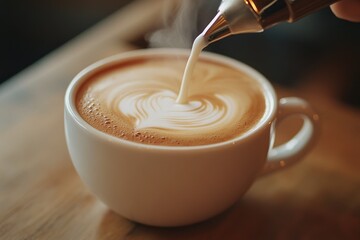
x=143, y=98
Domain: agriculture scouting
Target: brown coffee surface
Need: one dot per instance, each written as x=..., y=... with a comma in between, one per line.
x=136, y=101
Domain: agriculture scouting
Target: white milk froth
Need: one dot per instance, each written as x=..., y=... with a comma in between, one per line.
x=138, y=102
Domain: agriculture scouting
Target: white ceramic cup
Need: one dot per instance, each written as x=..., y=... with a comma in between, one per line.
x=172, y=186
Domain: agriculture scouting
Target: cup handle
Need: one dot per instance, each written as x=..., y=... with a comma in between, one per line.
x=293, y=150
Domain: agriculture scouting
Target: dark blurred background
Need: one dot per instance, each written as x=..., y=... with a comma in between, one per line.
x=32, y=28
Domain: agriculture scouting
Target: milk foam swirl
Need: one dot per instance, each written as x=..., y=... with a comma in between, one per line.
x=146, y=97
x=160, y=110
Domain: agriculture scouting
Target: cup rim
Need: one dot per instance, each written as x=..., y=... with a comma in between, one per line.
x=269, y=94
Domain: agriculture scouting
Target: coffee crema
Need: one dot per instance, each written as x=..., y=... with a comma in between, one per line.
x=136, y=100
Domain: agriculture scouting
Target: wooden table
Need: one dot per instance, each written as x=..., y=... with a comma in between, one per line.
x=42, y=197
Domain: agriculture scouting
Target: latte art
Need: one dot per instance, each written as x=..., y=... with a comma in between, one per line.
x=161, y=111
x=138, y=102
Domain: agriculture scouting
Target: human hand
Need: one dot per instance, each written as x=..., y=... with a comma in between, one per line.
x=347, y=10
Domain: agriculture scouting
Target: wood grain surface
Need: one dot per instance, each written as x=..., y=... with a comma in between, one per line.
x=42, y=197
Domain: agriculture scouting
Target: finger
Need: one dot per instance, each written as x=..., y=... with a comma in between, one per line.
x=347, y=10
